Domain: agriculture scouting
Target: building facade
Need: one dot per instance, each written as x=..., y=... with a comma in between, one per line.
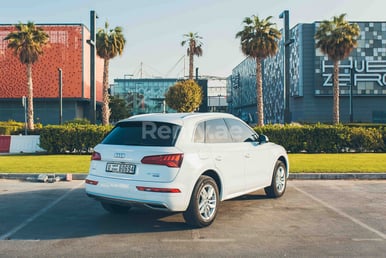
x=217, y=94
x=143, y=95
x=362, y=80
x=67, y=50
x=147, y=95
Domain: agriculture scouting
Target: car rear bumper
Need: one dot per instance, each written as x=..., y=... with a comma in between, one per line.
x=125, y=192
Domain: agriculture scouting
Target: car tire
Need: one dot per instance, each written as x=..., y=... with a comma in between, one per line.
x=279, y=181
x=204, y=203
x=115, y=208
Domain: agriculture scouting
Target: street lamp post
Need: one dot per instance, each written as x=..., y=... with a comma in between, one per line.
x=219, y=99
x=287, y=42
x=351, y=94
x=92, y=43
x=24, y=102
x=60, y=96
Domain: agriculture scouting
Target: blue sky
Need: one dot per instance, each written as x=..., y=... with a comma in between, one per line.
x=154, y=28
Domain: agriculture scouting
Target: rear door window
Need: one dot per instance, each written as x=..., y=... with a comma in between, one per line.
x=216, y=131
x=143, y=134
x=199, y=134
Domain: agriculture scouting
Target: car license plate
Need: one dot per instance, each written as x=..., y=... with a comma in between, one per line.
x=125, y=168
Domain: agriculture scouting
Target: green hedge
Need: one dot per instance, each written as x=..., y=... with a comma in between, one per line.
x=72, y=138
x=15, y=128
x=81, y=137
x=322, y=138
x=10, y=127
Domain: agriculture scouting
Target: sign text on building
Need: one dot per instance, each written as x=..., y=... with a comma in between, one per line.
x=364, y=71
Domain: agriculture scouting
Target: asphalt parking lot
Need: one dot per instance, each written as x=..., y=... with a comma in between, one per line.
x=314, y=218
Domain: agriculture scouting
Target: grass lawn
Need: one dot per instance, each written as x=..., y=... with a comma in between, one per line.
x=44, y=163
x=338, y=163
x=299, y=163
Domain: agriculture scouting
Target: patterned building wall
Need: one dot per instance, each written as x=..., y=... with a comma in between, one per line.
x=368, y=61
x=273, y=87
x=67, y=49
x=243, y=89
x=311, y=80
x=296, y=57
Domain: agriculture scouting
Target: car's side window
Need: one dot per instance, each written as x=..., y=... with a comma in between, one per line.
x=239, y=131
x=216, y=131
x=199, y=134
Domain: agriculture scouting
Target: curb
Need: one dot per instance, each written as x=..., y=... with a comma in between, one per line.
x=292, y=176
x=337, y=176
x=23, y=176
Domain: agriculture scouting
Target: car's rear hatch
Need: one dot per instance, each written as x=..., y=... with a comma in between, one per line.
x=141, y=151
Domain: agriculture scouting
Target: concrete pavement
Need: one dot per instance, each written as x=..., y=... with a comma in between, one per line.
x=297, y=176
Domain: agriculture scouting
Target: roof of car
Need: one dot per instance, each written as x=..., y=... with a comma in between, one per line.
x=176, y=118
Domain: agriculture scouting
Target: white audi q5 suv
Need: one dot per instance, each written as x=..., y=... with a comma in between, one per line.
x=184, y=162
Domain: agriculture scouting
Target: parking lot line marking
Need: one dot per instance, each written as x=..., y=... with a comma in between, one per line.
x=342, y=213
x=196, y=237
x=366, y=239
x=209, y=240
x=37, y=214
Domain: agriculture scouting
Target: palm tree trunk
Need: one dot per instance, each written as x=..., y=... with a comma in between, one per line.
x=191, y=57
x=30, y=116
x=335, y=112
x=106, y=97
x=259, y=93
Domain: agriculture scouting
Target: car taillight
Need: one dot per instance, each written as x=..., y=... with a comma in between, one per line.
x=170, y=160
x=158, y=190
x=91, y=182
x=96, y=156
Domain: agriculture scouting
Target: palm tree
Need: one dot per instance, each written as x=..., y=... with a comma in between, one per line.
x=28, y=42
x=336, y=39
x=194, y=49
x=109, y=44
x=259, y=40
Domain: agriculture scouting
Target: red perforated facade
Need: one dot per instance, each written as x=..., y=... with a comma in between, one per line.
x=68, y=50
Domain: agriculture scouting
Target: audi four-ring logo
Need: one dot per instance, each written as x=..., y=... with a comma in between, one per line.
x=119, y=155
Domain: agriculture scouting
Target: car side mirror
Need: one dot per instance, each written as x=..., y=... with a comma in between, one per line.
x=263, y=138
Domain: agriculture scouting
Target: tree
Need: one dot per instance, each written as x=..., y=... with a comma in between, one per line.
x=118, y=109
x=336, y=39
x=109, y=44
x=184, y=96
x=259, y=40
x=194, y=49
x=27, y=43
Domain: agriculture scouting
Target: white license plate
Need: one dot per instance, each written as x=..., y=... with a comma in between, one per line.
x=125, y=168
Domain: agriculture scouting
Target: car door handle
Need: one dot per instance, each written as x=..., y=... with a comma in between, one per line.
x=247, y=155
x=218, y=158
x=203, y=155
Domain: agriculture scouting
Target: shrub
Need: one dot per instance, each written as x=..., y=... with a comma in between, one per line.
x=320, y=138
x=184, y=96
x=290, y=137
x=8, y=128
x=72, y=138
x=15, y=128
x=366, y=139
x=78, y=121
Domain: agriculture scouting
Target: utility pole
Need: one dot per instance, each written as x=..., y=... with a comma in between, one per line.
x=141, y=70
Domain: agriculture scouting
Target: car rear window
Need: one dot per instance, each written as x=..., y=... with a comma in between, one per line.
x=143, y=134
